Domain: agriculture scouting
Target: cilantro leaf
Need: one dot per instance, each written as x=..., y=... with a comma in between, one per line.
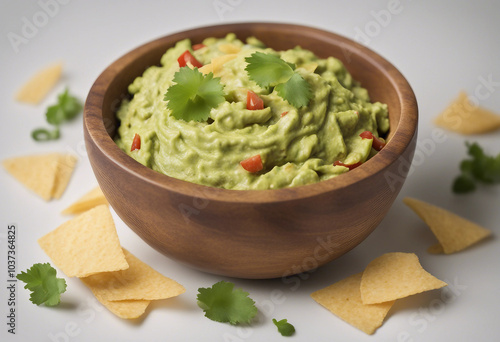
x=268, y=70
x=296, y=91
x=284, y=328
x=66, y=108
x=45, y=287
x=480, y=168
x=463, y=184
x=194, y=95
x=222, y=303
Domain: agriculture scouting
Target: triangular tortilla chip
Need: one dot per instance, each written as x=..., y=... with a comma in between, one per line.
x=436, y=249
x=138, y=282
x=463, y=117
x=39, y=85
x=45, y=174
x=37, y=172
x=86, y=244
x=344, y=300
x=127, y=309
x=88, y=201
x=453, y=232
x=393, y=276
x=66, y=166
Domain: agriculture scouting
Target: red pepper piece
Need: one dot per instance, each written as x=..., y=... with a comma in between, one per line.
x=136, y=143
x=254, y=102
x=349, y=166
x=377, y=144
x=198, y=46
x=188, y=57
x=252, y=164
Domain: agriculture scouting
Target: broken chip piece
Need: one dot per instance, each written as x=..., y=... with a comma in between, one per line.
x=46, y=174
x=88, y=201
x=453, y=232
x=138, y=282
x=86, y=244
x=464, y=117
x=127, y=309
x=344, y=300
x=393, y=276
x=39, y=85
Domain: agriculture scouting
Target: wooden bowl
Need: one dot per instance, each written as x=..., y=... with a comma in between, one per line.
x=253, y=233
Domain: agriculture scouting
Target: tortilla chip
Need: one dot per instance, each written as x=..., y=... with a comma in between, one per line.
x=436, y=249
x=138, y=282
x=344, y=300
x=229, y=48
x=218, y=62
x=66, y=165
x=86, y=244
x=463, y=117
x=453, y=232
x=206, y=69
x=39, y=85
x=310, y=67
x=393, y=276
x=47, y=174
x=127, y=309
x=88, y=201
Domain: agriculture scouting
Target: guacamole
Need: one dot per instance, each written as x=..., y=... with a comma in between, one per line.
x=296, y=146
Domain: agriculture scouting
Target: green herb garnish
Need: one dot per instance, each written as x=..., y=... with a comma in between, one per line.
x=269, y=70
x=194, y=94
x=66, y=108
x=284, y=328
x=480, y=168
x=223, y=303
x=45, y=287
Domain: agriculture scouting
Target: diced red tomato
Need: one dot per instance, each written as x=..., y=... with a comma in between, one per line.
x=254, y=102
x=252, y=164
x=349, y=166
x=377, y=144
x=188, y=57
x=198, y=46
x=283, y=114
x=136, y=143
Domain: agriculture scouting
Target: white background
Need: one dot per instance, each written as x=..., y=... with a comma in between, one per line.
x=440, y=46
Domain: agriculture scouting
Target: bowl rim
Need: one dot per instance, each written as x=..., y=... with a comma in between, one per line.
x=399, y=142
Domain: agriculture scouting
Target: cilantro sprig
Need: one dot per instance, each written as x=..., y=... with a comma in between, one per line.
x=284, y=328
x=268, y=70
x=223, y=303
x=194, y=94
x=45, y=287
x=480, y=168
x=66, y=108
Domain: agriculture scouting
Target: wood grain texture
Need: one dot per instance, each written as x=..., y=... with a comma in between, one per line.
x=254, y=233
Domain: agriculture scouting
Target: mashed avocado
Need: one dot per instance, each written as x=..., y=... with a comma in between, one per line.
x=297, y=146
